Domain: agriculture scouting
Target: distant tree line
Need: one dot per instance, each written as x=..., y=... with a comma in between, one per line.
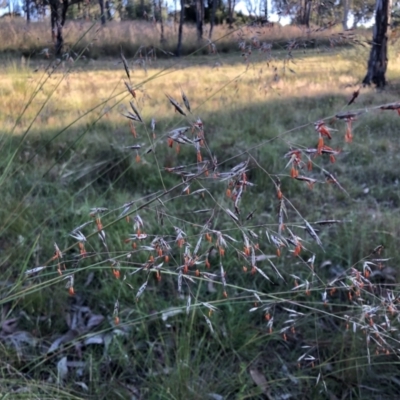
x=303, y=12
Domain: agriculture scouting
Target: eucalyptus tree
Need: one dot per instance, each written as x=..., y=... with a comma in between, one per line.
x=378, y=58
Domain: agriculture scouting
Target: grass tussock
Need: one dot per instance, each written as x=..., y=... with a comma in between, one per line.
x=226, y=248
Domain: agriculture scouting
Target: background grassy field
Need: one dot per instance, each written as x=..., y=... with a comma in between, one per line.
x=100, y=41
x=314, y=329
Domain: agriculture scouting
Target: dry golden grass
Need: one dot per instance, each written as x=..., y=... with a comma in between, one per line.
x=107, y=40
x=212, y=87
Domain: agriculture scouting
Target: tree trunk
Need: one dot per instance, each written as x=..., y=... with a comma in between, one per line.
x=182, y=16
x=199, y=19
x=108, y=10
x=154, y=8
x=266, y=10
x=53, y=19
x=202, y=16
x=28, y=11
x=212, y=19
x=345, y=14
x=229, y=13
x=58, y=15
x=102, y=14
x=378, y=58
x=231, y=6
x=307, y=13
x=162, y=39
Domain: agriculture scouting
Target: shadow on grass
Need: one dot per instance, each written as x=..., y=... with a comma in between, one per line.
x=194, y=57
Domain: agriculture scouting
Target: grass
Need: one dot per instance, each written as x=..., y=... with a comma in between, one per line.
x=67, y=154
x=97, y=41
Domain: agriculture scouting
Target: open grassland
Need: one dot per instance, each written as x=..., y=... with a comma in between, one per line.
x=150, y=320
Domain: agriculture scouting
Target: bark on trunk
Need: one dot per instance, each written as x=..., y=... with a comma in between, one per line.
x=345, y=14
x=378, y=58
x=162, y=39
x=179, y=47
x=102, y=14
x=28, y=12
x=108, y=10
x=199, y=19
x=307, y=13
x=58, y=15
x=154, y=20
x=231, y=6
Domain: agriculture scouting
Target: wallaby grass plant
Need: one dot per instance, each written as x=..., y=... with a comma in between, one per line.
x=225, y=269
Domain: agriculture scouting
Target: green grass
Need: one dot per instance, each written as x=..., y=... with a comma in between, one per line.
x=66, y=154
